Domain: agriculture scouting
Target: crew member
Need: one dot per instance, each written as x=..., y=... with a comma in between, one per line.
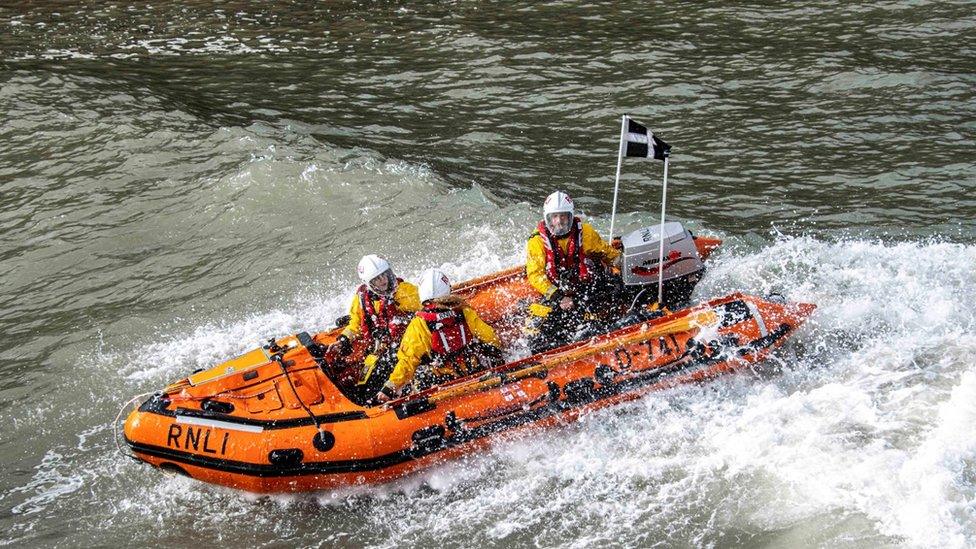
x=446, y=336
x=379, y=313
x=569, y=265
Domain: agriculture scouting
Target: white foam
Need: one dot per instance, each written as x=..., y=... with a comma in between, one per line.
x=870, y=415
x=52, y=480
x=938, y=506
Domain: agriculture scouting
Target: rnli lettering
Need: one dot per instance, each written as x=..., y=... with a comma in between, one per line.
x=198, y=439
x=624, y=360
x=663, y=344
x=173, y=437
x=650, y=349
x=193, y=437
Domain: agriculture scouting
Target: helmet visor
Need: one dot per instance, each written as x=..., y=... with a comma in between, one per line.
x=383, y=283
x=559, y=223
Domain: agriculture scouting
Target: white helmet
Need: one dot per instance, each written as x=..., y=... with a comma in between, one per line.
x=433, y=284
x=373, y=266
x=557, y=202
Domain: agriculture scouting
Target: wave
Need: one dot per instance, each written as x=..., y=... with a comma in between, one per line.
x=863, y=421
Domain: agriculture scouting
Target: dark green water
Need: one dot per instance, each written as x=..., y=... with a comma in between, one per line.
x=180, y=182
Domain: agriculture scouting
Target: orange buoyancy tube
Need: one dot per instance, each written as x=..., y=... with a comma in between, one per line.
x=260, y=440
x=573, y=261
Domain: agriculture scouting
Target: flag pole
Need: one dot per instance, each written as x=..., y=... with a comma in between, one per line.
x=660, y=257
x=616, y=182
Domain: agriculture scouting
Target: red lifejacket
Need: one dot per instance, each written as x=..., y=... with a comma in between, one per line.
x=389, y=317
x=449, y=332
x=573, y=261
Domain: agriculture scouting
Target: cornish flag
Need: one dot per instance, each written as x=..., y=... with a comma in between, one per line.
x=643, y=143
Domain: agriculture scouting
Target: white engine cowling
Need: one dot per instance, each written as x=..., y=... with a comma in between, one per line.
x=642, y=251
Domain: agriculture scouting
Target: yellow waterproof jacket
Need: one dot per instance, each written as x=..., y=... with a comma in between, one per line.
x=405, y=296
x=416, y=344
x=594, y=247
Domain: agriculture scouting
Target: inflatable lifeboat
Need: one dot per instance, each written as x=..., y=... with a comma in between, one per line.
x=279, y=419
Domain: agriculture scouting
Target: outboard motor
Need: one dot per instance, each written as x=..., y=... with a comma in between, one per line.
x=683, y=266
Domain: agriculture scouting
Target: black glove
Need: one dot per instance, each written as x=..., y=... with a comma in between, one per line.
x=345, y=346
x=553, y=300
x=317, y=350
x=491, y=354
x=386, y=394
x=381, y=335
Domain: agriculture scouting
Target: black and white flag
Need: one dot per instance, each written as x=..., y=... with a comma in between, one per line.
x=643, y=143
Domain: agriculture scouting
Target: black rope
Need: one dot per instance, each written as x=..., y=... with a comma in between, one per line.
x=279, y=358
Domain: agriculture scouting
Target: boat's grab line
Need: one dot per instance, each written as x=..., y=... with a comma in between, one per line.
x=458, y=437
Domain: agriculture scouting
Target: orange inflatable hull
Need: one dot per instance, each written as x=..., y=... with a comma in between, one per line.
x=272, y=420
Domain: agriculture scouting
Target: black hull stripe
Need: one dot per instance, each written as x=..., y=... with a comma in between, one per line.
x=269, y=470
x=403, y=456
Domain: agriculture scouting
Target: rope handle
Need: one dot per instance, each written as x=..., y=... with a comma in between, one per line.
x=115, y=425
